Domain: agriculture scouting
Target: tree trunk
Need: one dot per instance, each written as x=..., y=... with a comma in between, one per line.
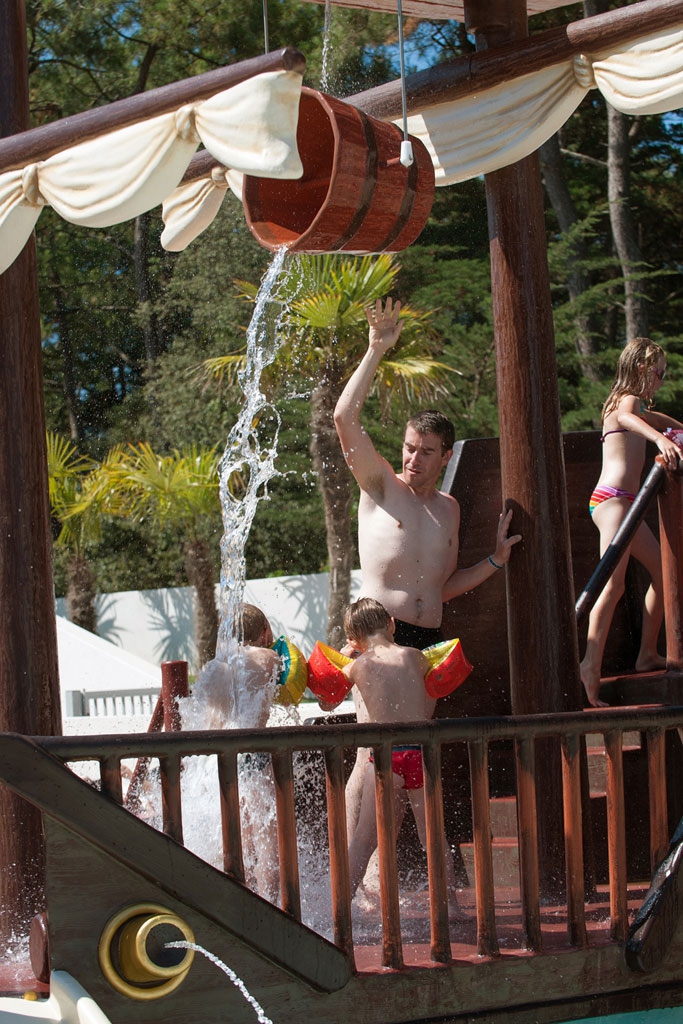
x=143, y=289
x=201, y=575
x=621, y=220
x=81, y=594
x=29, y=678
x=335, y=482
x=577, y=279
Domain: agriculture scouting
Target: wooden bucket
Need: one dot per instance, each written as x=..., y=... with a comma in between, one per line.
x=354, y=196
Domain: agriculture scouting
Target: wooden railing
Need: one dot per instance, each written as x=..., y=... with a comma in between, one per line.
x=333, y=741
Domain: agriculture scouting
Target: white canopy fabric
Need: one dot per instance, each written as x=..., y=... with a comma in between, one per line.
x=250, y=127
x=487, y=130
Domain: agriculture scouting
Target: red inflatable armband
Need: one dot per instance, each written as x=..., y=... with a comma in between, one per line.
x=325, y=677
x=449, y=668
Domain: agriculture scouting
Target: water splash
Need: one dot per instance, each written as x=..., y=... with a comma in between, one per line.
x=260, y=1013
x=247, y=455
x=325, y=71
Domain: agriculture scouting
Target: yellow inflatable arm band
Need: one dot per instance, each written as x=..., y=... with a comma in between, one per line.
x=450, y=668
x=325, y=676
x=293, y=678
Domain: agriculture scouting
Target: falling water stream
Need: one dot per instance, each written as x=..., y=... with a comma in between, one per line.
x=181, y=944
x=251, y=458
x=325, y=72
x=246, y=455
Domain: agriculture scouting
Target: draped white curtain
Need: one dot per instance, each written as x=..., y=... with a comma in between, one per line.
x=250, y=127
x=498, y=126
x=495, y=127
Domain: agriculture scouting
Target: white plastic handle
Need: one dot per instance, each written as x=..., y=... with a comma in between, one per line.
x=407, y=157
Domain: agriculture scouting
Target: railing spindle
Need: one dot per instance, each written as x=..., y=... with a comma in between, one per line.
x=339, y=859
x=671, y=541
x=487, y=940
x=110, y=777
x=656, y=775
x=436, y=854
x=171, y=806
x=286, y=833
x=573, y=840
x=616, y=835
x=527, y=828
x=392, y=947
x=231, y=826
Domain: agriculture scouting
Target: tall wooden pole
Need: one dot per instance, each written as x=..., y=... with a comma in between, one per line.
x=542, y=636
x=29, y=685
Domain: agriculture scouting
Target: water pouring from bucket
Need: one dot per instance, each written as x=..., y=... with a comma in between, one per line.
x=247, y=455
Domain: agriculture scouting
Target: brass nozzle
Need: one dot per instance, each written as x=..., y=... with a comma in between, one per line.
x=134, y=955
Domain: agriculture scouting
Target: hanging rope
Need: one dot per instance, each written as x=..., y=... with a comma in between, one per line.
x=406, y=145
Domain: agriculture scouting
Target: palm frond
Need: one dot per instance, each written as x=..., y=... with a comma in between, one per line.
x=223, y=369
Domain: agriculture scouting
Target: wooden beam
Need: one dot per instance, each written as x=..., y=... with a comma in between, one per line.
x=437, y=9
x=39, y=143
x=596, y=36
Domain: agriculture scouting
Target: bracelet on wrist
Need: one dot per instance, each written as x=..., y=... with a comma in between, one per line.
x=494, y=564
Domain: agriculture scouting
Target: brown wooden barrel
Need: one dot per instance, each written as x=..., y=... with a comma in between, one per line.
x=354, y=196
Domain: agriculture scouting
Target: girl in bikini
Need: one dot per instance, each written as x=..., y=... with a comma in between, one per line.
x=628, y=422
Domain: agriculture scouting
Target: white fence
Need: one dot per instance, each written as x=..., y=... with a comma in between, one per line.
x=157, y=625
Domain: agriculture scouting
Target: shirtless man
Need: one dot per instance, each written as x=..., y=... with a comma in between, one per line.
x=407, y=528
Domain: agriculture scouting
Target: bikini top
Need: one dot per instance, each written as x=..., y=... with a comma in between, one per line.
x=619, y=430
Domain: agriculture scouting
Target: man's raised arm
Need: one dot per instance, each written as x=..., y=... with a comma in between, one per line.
x=362, y=458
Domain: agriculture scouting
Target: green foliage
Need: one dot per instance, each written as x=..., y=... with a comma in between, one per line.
x=124, y=333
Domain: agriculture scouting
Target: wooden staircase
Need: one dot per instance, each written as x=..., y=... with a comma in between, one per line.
x=503, y=811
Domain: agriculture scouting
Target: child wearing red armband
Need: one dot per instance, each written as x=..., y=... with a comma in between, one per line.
x=390, y=681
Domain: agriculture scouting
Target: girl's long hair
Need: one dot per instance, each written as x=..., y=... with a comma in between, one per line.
x=631, y=378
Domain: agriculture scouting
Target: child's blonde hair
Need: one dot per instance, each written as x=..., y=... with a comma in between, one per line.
x=365, y=617
x=636, y=358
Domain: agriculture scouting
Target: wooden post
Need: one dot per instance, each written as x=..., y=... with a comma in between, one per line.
x=174, y=687
x=671, y=540
x=542, y=635
x=29, y=684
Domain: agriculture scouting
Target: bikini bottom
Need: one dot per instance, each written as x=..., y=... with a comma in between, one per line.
x=603, y=493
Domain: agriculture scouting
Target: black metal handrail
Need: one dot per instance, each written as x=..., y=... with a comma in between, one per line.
x=620, y=542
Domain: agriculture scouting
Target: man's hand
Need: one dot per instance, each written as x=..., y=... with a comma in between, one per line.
x=385, y=327
x=504, y=544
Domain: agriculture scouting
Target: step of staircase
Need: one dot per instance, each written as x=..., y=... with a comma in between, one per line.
x=503, y=812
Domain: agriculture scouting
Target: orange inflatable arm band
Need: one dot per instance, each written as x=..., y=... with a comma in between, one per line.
x=325, y=677
x=450, y=668
x=293, y=677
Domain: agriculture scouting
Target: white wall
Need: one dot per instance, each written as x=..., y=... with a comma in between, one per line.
x=157, y=625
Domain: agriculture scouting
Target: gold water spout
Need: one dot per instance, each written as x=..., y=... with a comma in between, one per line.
x=134, y=954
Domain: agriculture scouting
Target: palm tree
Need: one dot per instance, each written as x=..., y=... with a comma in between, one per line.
x=323, y=323
x=180, y=488
x=76, y=508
